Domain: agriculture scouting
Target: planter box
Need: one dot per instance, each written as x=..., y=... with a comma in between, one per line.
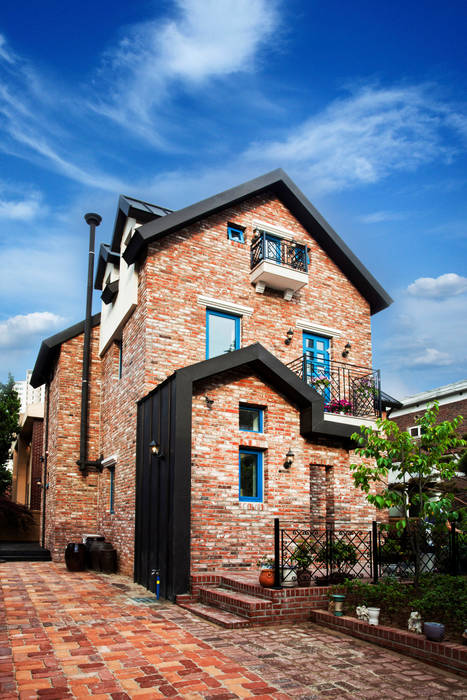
x=444, y=654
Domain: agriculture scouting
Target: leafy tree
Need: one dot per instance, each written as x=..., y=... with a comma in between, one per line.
x=418, y=463
x=9, y=416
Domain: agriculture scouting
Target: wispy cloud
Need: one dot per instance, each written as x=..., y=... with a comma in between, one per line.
x=18, y=330
x=429, y=357
x=378, y=217
x=25, y=209
x=5, y=54
x=442, y=287
x=200, y=42
x=366, y=136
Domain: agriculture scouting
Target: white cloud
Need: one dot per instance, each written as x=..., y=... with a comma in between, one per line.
x=4, y=53
x=429, y=357
x=378, y=217
x=16, y=331
x=365, y=137
x=447, y=285
x=22, y=209
x=204, y=40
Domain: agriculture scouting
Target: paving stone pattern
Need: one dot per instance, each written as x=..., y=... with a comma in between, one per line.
x=76, y=635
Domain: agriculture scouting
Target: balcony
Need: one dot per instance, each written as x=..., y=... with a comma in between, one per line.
x=348, y=390
x=278, y=264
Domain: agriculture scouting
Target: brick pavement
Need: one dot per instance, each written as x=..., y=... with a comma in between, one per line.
x=80, y=635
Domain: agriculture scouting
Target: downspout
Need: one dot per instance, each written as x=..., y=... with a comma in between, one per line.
x=46, y=454
x=84, y=464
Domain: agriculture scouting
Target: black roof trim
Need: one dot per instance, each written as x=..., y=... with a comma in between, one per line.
x=105, y=255
x=266, y=366
x=110, y=292
x=136, y=209
x=50, y=347
x=278, y=182
x=388, y=401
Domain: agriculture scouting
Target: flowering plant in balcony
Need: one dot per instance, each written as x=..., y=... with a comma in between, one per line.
x=320, y=382
x=366, y=388
x=342, y=406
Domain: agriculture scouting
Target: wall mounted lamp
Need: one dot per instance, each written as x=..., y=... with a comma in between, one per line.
x=209, y=401
x=346, y=350
x=289, y=459
x=289, y=337
x=155, y=448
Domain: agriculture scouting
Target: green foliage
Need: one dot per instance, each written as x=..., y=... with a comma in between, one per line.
x=265, y=563
x=9, y=416
x=418, y=464
x=303, y=555
x=341, y=554
x=442, y=598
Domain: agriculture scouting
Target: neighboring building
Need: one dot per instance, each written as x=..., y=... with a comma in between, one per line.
x=230, y=364
x=29, y=395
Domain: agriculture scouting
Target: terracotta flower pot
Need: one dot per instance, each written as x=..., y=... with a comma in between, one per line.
x=266, y=578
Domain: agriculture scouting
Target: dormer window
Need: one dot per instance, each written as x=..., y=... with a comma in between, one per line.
x=236, y=233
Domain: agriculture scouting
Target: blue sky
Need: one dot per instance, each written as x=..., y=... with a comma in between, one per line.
x=362, y=103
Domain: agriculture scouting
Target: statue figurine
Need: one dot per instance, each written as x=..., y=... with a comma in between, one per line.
x=362, y=613
x=415, y=622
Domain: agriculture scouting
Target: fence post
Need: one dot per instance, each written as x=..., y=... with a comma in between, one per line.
x=277, y=555
x=374, y=542
x=330, y=556
x=453, y=549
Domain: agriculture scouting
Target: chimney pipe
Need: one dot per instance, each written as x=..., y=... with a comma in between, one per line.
x=92, y=220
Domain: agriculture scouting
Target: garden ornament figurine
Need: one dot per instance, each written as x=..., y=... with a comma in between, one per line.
x=362, y=613
x=415, y=622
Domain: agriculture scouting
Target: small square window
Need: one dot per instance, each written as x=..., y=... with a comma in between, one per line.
x=251, y=475
x=235, y=233
x=251, y=418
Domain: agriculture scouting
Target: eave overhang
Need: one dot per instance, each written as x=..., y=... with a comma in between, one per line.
x=50, y=349
x=106, y=255
x=285, y=189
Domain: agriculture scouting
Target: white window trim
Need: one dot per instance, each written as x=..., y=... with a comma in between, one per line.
x=313, y=327
x=418, y=428
x=224, y=305
x=277, y=230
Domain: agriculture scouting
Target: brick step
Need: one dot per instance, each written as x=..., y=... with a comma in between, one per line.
x=245, y=585
x=234, y=601
x=223, y=618
x=25, y=556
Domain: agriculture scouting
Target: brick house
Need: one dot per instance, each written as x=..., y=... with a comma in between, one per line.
x=230, y=364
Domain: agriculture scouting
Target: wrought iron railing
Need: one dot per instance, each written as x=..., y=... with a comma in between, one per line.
x=347, y=389
x=330, y=555
x=280, y=251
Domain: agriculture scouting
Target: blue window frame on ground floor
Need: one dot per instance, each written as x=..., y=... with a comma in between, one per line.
x=250, y=475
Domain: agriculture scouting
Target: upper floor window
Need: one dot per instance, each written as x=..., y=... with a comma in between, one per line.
x=236, y=233
x=251, y=418
x=222, y=333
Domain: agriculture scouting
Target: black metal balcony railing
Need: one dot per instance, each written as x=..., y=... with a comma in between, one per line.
x=347, y=389
x=280, y=251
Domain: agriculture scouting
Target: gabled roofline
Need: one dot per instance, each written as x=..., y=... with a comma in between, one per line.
x=105, y=255
x=280, y=184
x=136, y=209
x=50, y=347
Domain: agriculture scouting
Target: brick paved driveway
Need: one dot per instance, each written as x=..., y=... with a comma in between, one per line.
x=65, y=635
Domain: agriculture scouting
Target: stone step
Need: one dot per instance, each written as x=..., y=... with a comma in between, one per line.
x=25, y=556
x=235, y=602
x=223, y=618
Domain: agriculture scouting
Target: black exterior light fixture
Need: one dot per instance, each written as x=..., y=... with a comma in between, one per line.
x=289, y=459
x=155, y=448
x=209, y=401
x=289, y=337
x=346, y=349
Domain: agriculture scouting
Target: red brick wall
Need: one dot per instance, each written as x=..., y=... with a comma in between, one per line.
x=229, y=533
x=71, y=498
x=447, y=411
x=36, y=464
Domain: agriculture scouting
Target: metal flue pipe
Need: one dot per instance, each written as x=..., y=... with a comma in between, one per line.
x=92, y=220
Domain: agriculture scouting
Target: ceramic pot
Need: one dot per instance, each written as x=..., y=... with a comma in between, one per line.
x=95, y=552
x=434, y=631
x=75, y=556
x=338, y=599
x=303, y=578
x=108, y=558
x=289, y=578
x=373, y=615
x=266, y=578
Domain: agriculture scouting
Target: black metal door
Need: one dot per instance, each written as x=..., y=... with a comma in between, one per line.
x=154, y=493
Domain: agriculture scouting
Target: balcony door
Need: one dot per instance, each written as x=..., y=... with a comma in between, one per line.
x=273, y=248
x=316, y=363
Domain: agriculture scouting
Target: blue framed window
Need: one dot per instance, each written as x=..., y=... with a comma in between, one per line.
x=112, y=491
x=222, y=333
x=250, y=418
x=250, y=475
x=235, y=233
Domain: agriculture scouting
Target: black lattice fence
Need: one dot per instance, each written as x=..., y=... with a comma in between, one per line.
x=329, y=555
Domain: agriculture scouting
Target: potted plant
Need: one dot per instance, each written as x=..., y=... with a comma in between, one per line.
x=266, y=576
x=337, y=596
x=302, y=557
x=343, y=407
x=320, y=383
x=338, y=555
